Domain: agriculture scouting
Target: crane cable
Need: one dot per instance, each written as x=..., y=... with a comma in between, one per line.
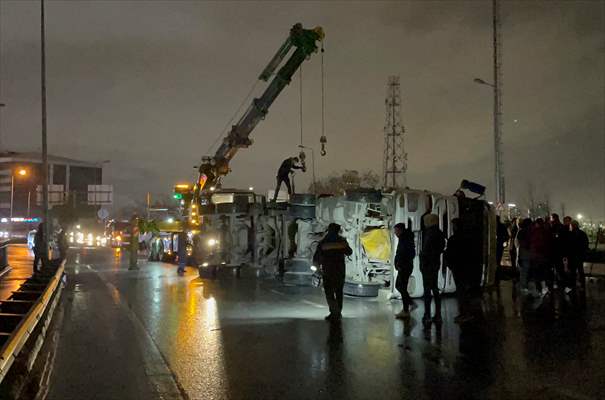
x=300, y=85
x=322, y=139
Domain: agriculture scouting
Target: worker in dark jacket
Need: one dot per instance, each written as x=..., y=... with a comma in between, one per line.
x=539, y=245
x=456, y=261
x=512, y=250
x=502, y=237
x=40, y=256
x=283, y=174
x=523, y=244
x=404, y=264
x=557, y=232
x=578, y=248
x=433, y=243
x=330, y=256
x=62, y=244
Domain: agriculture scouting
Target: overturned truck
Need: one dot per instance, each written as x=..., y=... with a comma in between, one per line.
x=240, y=229
x=367, y=218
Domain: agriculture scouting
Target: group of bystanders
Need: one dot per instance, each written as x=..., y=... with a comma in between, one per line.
x=547, y=254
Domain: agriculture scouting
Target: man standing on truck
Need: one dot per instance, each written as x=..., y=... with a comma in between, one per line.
x=283, y=174
x=330, y=256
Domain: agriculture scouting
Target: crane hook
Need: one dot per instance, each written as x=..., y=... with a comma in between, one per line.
x=323, y=142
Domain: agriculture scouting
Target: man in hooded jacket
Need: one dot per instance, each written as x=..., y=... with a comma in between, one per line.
x=433, y=243
x=330, y=256
x=404, y=264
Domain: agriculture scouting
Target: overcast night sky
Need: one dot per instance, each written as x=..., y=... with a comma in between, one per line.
x=150, y=85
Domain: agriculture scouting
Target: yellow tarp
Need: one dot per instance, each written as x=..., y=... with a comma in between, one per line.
x=377, y=244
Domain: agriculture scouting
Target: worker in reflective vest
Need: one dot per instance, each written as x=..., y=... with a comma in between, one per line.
x=134, y=242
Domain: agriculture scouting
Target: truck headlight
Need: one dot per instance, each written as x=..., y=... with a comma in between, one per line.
x=313, y=268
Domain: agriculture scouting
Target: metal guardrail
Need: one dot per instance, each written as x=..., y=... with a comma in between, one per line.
x=20, y=314
x=4, y=253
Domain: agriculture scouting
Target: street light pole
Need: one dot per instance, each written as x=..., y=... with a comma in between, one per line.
x=500, y=198
x=22, y=172
x=12, y=198
x=1, y=106
x=498, y=170
x=47, y=222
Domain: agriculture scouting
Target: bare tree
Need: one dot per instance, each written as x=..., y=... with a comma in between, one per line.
x=338, y=182
x=535, y=202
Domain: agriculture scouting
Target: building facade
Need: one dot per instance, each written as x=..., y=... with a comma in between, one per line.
x=72, y=185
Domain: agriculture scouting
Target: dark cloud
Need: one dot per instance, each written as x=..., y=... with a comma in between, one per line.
x=150, y=85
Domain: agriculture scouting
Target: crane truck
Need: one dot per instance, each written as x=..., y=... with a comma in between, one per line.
x=222, y=224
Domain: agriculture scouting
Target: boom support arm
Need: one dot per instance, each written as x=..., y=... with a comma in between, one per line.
x=304, y=40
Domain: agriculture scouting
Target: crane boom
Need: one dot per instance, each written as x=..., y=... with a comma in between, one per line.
x=304, y=40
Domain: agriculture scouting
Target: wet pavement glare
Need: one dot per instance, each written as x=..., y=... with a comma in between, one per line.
x=153, y=334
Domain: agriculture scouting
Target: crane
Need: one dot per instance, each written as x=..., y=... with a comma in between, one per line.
x=213, y=168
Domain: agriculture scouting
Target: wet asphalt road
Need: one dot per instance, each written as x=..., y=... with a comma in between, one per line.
x=21, y=263
x=152, y=334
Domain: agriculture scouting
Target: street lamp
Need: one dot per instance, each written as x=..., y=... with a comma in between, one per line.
x=579, y=216
x=312, y=163
x=21, y=172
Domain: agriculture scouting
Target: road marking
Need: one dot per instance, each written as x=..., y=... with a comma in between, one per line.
x=308, y=302
x=161, y=377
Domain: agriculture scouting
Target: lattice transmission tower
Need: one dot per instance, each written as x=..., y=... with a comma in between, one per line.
x=395, y=158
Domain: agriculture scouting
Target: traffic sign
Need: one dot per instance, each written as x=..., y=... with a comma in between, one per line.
x=102, y=213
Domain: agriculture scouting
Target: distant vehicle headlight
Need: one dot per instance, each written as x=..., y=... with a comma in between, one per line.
x=212, y=242
x=204, y=264
x=313, y=268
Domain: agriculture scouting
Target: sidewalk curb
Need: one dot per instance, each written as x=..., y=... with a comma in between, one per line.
x=5, y=270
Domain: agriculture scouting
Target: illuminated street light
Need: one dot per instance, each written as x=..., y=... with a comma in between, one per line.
x=579, y=216
x=21, y=172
